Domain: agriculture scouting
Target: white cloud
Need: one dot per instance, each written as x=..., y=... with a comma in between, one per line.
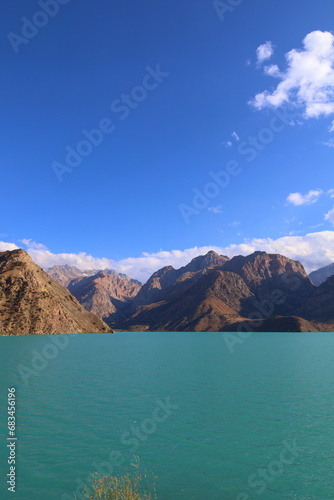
x=331, y=127
x=264, y=52
x=228, y=144
x=7, y=246
x=308, y=81
x=314, y=250
x=308, y=199
x=234, y=223
x=235, y=136
x=81, y=260
x=273, y=71
x=216, y=210
x=330, y=192
x=329, y=143
x=32, y=244
x=330, y=216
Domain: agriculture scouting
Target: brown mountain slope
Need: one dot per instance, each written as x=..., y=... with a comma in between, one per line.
x=211, y=298
x=105, y=294
x=208, y=304
x=160, y=282
x=32, y=303
x=260, y=266
x=263, y=273
x=153, y=289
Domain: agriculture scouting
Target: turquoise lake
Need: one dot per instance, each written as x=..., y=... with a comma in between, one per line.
x=211, y=424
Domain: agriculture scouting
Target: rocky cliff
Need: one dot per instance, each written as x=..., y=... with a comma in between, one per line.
x=32, y=303
x=106, y=294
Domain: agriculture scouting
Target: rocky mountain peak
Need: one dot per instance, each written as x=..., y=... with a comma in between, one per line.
x=32, y=303
x=17, y=255
x=261, y=265
x=211, y=259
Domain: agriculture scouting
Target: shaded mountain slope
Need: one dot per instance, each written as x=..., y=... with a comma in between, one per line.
x=320, y=307
x=266, y=273
x=275, y=324
x=212, y=301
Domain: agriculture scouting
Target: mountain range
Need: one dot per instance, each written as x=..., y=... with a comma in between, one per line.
x=318, y=277
x=214, y=292
x=258, y=292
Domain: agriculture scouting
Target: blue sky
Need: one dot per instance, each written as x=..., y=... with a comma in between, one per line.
x=188, y=74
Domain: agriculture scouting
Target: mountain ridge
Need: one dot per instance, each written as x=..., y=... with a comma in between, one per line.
x=211, y=298
x=320, y=275
x=211, y=293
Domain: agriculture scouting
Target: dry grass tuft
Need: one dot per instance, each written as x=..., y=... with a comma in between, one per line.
x=137, y=486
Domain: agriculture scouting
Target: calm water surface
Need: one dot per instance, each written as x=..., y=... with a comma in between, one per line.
x=258, y=423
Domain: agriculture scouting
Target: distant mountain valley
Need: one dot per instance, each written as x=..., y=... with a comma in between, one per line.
x=258, y=292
